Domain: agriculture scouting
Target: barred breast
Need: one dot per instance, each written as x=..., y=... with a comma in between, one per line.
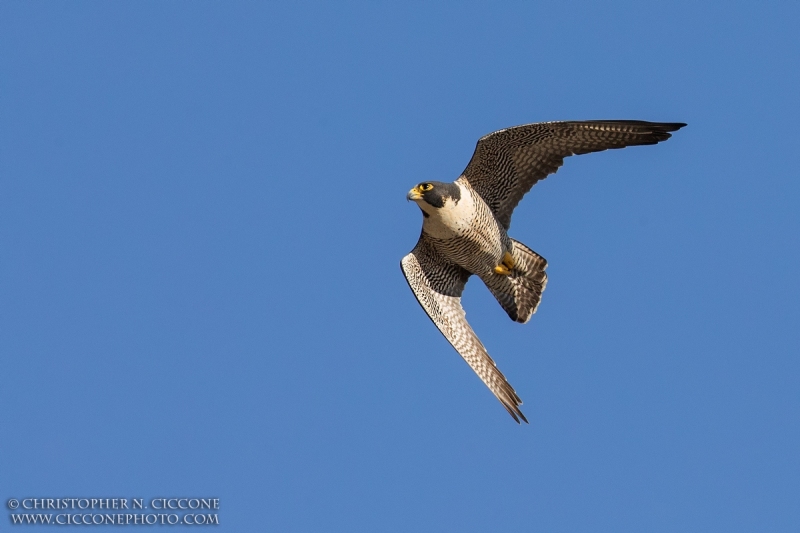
x=467, y=233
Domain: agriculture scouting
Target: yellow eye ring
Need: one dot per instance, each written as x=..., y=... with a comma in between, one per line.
x=425, y=187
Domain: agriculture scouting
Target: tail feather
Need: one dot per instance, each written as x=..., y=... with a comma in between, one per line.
x=519, y=293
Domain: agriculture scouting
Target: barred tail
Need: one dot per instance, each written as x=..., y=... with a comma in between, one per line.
x=519, y=292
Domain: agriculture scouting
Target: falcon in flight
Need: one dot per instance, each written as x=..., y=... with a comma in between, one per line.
x=465, y=228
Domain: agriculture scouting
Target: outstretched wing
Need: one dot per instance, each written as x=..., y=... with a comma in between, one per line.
x=507, y=163
x=438, y=285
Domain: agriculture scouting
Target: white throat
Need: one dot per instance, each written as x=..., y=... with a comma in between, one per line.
x=451, y=220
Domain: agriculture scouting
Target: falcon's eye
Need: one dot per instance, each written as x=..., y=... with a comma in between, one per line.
x=425, y=187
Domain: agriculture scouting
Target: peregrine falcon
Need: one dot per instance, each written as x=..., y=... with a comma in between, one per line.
x=465, y=228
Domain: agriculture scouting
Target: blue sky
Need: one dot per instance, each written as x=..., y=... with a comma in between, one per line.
x=202, y=214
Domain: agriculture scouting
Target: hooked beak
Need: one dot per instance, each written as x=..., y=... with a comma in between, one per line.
x=414, y=194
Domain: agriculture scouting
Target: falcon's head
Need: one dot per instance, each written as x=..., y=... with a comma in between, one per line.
x=434, y=194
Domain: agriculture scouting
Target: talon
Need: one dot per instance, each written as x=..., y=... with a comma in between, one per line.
x=508, y=260
x=504, y=268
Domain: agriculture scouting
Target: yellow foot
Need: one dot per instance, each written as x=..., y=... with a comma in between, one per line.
x=504, y=268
